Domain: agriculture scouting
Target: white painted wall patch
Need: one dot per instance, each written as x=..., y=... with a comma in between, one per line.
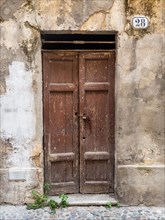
x=18, y=111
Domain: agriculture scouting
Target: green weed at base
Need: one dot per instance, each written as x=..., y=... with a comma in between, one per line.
x=64, y=203
x=43, y=200
x=109, y=205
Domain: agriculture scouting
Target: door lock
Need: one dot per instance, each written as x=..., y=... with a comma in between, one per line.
x=84, y=117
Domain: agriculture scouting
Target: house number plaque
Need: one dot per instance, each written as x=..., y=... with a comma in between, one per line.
x=140, y=22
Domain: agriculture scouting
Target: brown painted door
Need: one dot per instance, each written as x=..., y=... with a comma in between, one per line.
x=79, y=121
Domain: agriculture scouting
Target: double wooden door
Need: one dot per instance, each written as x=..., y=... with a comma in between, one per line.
x=79, y=121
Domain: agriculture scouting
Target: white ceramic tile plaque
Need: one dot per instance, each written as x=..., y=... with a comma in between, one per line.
x=140, y=22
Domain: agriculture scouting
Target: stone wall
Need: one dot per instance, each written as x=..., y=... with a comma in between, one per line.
x=140, y=68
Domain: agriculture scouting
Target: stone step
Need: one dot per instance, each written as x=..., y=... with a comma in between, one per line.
x=88, y=199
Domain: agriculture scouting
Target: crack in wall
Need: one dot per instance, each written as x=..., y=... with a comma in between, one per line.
x=104, y=12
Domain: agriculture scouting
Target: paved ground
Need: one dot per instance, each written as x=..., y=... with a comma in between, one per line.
x=8, y=212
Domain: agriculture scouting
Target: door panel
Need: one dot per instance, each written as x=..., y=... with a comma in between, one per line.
x=96, y=132
x=60, y=122
x=79, y=121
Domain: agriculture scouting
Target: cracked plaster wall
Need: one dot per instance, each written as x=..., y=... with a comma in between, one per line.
x=139, y=157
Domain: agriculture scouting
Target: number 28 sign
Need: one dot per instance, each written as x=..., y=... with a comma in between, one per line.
x=140, y=22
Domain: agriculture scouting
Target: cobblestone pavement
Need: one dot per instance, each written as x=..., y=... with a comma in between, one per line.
x=8, y=212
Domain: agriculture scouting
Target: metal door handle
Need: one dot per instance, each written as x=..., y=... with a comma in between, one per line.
x=81, y=116
x=84, y=117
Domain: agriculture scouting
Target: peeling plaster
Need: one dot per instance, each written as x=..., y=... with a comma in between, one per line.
x=8, y=39
x=9, y=7
x=95, y=21
x=153, y=9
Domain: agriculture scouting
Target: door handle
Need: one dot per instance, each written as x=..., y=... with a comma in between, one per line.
x=84, y=117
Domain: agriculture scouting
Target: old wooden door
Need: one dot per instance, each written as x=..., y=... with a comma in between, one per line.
x=79, y=121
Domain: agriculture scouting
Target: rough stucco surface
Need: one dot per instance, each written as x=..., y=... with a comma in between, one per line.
x=140, y=68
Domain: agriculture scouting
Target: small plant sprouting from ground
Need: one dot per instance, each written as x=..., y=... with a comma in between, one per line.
x=64, y=203
x=109, y=205
x=43, y=200
x=46, y=188
x=118, y=205
x=53, y=204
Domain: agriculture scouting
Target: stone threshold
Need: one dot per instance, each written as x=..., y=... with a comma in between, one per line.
x=88, y=199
